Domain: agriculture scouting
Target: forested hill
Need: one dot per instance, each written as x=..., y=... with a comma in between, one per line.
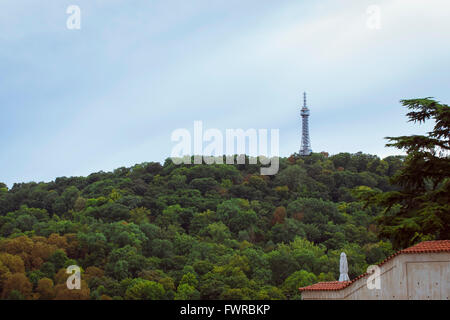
x=171, y=231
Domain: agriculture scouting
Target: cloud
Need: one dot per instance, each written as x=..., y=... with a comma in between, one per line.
x=110, y=95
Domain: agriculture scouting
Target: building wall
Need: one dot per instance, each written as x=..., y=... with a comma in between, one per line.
x=424, y=276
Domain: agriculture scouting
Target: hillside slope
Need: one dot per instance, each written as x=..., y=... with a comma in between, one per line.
x=171, y=231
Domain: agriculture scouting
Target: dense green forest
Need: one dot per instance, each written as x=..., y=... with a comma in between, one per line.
x=171, y=231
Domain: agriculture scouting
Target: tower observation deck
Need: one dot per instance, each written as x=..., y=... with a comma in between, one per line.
x=305, y=149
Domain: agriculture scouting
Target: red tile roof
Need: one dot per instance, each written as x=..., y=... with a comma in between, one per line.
x=423, y=247
x=326, y=286
x=429, y=246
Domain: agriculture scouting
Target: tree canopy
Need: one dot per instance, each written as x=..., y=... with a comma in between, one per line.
x=420, y=209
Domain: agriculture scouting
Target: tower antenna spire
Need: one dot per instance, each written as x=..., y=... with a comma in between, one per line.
x=305, y=149
x=304, y=100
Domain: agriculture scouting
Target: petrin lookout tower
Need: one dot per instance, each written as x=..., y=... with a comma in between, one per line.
x=305, y=149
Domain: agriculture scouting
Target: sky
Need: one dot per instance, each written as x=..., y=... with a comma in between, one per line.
x=110, y=94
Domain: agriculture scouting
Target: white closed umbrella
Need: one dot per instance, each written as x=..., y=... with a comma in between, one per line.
x=343, y=268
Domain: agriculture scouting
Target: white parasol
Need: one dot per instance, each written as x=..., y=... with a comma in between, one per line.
x=343, y=268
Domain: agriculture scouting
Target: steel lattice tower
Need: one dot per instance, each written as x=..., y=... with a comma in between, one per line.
x=305, y=149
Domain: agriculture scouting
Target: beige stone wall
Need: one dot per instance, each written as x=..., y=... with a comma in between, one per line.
x=405, y=277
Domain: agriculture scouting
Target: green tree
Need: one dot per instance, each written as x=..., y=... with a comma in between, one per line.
x=296, y=280
x=140, y=215
x=420, y=210
x=190, y=279
x=218, y=232
x=186, y=292
x=145, y=290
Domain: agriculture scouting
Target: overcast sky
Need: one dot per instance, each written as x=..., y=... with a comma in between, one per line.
x=73, y=102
